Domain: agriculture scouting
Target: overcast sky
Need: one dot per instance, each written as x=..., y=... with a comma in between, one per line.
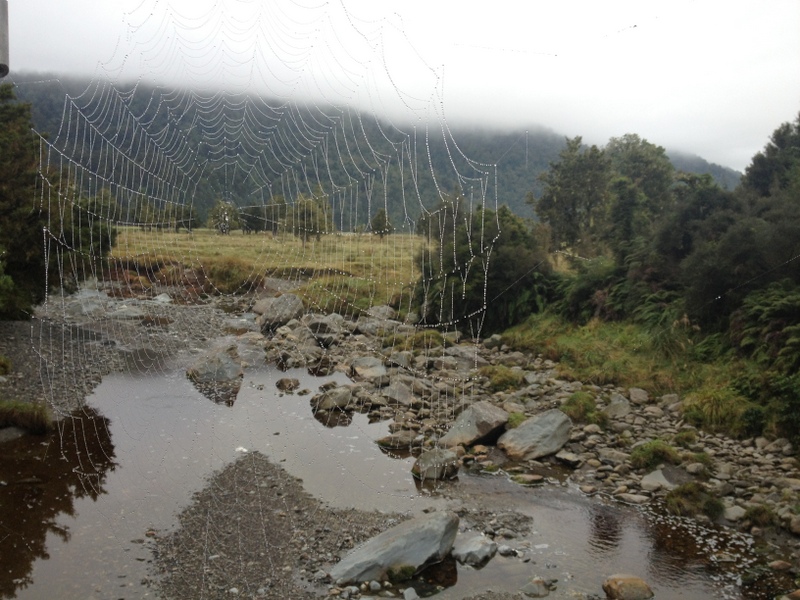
x=712, y=78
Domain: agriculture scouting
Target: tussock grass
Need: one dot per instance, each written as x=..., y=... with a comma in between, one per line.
x=502, y=378
x=651, y=454
x=339, y=272
x=34, y=418
x=690, y=499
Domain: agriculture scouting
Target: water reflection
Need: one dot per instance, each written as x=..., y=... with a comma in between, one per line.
x=43, y=476
x=605, y=527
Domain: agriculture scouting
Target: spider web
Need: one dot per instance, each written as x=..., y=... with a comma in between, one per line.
x=298, y=124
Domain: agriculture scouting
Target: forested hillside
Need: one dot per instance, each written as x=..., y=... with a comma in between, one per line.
x=406, y=167
x=655, y=278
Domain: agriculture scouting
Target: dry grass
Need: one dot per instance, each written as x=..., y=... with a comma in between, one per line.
x=34, y=418
x=337, y=271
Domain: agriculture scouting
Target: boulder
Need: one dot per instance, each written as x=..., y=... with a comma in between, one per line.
x=477, y=422
x=217, y=365
x=436, y=464
x=475, y=550
x=626, y=587
x=398, y=394
x=401, y=551
x=735, y=513
x=276, y=312
x=340, y=397
x=542, y=435
x=384, y=312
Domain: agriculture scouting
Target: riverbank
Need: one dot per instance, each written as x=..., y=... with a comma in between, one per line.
x=421, y=387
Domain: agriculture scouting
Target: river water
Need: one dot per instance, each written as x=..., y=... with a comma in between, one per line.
x=78, y=506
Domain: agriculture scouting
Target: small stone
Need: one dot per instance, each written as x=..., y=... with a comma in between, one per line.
x=535, y=588
x=780, y=565
x=626, y=587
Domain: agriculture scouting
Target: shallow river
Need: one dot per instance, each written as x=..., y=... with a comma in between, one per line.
x=77, y=507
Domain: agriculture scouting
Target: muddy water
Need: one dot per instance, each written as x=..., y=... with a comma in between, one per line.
x=78, y=507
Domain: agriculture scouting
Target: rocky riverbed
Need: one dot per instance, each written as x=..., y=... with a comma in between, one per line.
x=435, y=396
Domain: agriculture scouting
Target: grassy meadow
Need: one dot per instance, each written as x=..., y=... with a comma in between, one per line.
x=341, y=272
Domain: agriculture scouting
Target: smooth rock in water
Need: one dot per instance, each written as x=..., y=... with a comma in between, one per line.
x=536, y=588
x=626, y=587
x=479, y=421
x=217, y=365
x=618, y=407
x=399, y=440
x=367, y=367
x=542, y=435
x=276, y=312
x=402, y=550
x=475, y=550
x=436, y=464
x=339, y=397
x=287, y=384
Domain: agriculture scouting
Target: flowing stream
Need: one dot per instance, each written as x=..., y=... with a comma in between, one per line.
x=78, y=507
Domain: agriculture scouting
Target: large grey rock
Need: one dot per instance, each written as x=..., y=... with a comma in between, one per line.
x=276, y=312
x=626, y=587
x=436, y=464
x=542, y=435
x=398, y=440
x=398, y=393
x=477, y=422
x=404, y=549
x=467, y=356
x=656, y=480
x=474, y=550
x=638, y=396
x=217, y=365
x=382, y=312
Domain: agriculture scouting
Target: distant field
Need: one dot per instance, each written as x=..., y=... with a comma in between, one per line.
x=338, y=271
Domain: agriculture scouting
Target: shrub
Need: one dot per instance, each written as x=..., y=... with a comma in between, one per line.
x=685, y=438
x=5, y=365
x=760, y=515
x=578, y=405
x=651, y=454
x=501, y=377
x=692, y=498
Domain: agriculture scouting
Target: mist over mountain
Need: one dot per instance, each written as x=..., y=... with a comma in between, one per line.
x=291, y=145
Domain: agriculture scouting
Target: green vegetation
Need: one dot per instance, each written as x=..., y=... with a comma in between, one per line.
x=581, y=407
x=502, y=378
x=685, y=438
x=515, y=419
x=34, y=418
x=691, y=499
x=760, y=515
x=5, y=365
x=421, y=340
x=653, y=453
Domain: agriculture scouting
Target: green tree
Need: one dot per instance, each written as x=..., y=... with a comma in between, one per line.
x=575, y=196
x=490, y=274
x=309, y=217
x=776, y=166
x=22, y=223
x=223, y=217
x=380, y=223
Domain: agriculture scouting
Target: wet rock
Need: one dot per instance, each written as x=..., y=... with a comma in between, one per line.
x=401, y=551
x=542, y=435
x=398, y=440
x=626, y=587
x=275, y=312
x=570, y=459
x=218, y=364
x=287, y=384
x=478, y=421
x=340, y=397
x=536, y=588
x=475, y=550
x=436, y=464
